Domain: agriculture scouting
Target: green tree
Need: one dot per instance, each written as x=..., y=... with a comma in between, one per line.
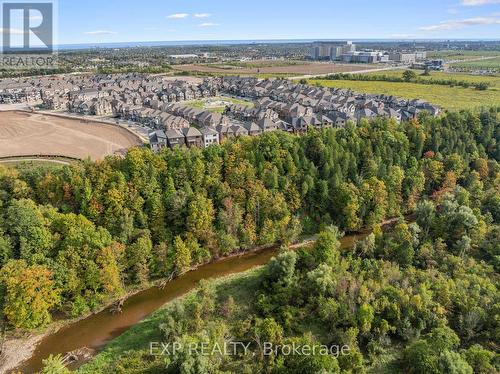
x=6, y=250
x=394, y=184
x=280, y=271
x=54, y=365
x=453, y=363
x=200, y=218
x=182, y=256
x=480, y=359
x=348, y=206
x=138, y=258
x=30, y=294
x=366, y=314
x=409, y=75
x=421, y=358
x=27, y=227
x=109, y=265
x=327, y=246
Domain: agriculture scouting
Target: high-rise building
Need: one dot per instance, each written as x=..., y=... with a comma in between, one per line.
x=330, y=50
x=349, y=47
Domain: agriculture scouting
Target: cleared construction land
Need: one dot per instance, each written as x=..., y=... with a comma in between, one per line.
x=272, y=68
x=33, y=134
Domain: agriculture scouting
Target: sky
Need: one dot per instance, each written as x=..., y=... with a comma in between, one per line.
x=108, y=21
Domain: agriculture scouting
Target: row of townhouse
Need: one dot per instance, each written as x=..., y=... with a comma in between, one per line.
x=248, y=113
x=149, y=91
x=88, y=86
x=291, y=100
x=198, y=116
x=209, y=135
x=155, y=119
x=283, y=105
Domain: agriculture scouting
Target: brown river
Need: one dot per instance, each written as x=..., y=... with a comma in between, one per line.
x=98, y=329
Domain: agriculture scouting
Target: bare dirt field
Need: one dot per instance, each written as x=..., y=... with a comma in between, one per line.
x=30, y=134
x=254, y=67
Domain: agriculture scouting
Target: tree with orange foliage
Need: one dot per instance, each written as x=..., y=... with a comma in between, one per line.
x=30, y=294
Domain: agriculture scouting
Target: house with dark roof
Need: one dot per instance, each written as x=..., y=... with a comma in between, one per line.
x=158, y=140
x=365, y=113
x=194, y=137
x=267, y=125
x=175, y=137
x=253, y=129
x=238, y=130
x=340, y=119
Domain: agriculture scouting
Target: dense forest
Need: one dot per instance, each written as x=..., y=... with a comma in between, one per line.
x=74, y=237
x=420, y=298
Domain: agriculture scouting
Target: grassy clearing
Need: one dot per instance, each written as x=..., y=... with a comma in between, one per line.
x=27, y=163
x=212, y=104
x=493, y=63
x=451, y=98
x=462, y=55
x=493, y=80
x=240, y=286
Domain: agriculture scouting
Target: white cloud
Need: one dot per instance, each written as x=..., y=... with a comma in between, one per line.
x=403, y=36
x=209, y=24
x=460, y=24
x=202, y=15
x=100, y=33
x=178, y=16
x=479, y=2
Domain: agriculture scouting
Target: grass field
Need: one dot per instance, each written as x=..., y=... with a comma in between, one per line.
x=493, y=80
x=216, y=104
x=462, y=55
x=451, y=98
x=33, y=163
x=492, y=63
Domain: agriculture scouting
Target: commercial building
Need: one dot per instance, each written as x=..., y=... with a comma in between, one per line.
x=331, y=51
x=421, y=55
x=347, y=52
x=405, y=58
x=367, y=57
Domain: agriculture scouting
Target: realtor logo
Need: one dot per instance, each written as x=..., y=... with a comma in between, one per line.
x=28, y=27
x=28, y=35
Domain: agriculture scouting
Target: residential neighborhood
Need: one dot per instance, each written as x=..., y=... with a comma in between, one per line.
x=163, y=105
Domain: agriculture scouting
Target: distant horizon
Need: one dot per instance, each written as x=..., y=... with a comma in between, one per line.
x=212, y=42
x=130, y=21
